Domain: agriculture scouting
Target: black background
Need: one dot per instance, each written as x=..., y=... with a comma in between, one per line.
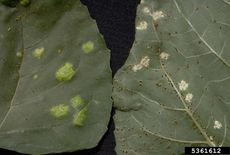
x=116, y=22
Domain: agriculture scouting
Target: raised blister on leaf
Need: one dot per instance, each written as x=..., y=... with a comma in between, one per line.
x=65, y=72
x=77, y=101
x=59, y=111
x=79, y=118
x=88, y=47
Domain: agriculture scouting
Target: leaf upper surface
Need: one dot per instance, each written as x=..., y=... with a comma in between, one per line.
x=36, y=115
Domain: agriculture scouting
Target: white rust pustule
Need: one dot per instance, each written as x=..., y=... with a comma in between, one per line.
x=142, y=1
x=164, y=56
x=146, y=10
x=158, y=15
x=189, y=97
x=183, y=85
x=143, y=25
x=217, y=125
x=143, y=63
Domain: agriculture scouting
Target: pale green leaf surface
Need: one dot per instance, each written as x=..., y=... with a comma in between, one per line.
x=29, y=88
x=184, y=48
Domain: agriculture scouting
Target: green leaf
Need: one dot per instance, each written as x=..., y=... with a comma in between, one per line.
x=42, y=68
x=173, y=90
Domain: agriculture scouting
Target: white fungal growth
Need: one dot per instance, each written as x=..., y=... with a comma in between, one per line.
x=146, y=10
x=142, y=25
x=158, y=15
x=189, y=97
x=164, y=56
x=142, y=1
x=217, y=125
x=137, y=67
x=143, y=63
x=183, y=85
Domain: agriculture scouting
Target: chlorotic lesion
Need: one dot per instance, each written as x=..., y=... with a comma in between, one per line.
x=24, y=2
x=65, y=72
x=59, y=111
x=88, y=47
x=80, y=118
x=19, y=54
x=77, y=101
x=38, y=52
x=35, y=77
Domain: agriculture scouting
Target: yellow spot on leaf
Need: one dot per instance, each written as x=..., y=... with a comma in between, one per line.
x=65, y=72
x=79, y=118
x=35, y=76
x=38, y=53
x=24, y=2
x=77, y=101
x=19, y=54
x=59, y=110
x=88, y=47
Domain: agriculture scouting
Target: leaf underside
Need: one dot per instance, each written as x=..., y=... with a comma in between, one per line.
x=173, y=90
x=29, y=89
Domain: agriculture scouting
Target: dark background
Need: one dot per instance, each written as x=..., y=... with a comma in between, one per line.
x=116, y=22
